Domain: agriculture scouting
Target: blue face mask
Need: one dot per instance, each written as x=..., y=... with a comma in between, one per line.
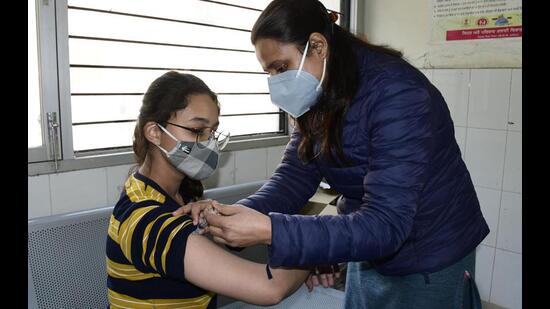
x=296, y=91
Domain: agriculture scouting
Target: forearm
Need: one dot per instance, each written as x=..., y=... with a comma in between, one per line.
x=286, y=281
x=364, y=235
x=261, y=290
x=212, y=268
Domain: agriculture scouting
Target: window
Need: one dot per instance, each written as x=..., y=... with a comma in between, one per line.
x=110, y=51
x=43, y=102
x=35, y=131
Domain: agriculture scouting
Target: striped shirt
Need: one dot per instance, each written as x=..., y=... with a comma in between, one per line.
x=145, y=250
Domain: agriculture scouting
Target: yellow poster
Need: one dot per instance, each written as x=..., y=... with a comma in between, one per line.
x=476, y=19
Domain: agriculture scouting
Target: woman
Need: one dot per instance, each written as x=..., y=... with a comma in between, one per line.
x=381, y=135
x=154, y=260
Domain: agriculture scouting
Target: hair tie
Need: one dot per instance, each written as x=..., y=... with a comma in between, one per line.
x=333, y=16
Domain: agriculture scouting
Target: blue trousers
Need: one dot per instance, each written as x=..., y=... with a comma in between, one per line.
x=367, y=289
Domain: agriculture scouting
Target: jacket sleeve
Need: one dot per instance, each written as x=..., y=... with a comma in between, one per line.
x=400, y=136
x=290, y=186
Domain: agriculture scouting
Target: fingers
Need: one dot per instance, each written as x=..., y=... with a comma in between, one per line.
x=214, y=219
x=325, y=275
x=182, y=210
x=216, y=231
x=324, y=280
x=315, y=280
x=330, y=279
x=225, y=210
x=195, y=208
x=220, y=240
x=309, y=284
x=195, y=213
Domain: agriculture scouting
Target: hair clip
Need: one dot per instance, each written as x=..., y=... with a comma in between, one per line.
x=333, y=16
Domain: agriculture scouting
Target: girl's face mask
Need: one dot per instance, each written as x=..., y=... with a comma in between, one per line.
x=197, y=160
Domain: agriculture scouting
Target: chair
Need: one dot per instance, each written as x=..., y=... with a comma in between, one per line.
x=66, y=254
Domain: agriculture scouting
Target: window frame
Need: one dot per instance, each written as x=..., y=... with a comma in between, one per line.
x=57, y=98
x=47, y=74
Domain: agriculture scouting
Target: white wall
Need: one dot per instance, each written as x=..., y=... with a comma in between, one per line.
x=486, y=108
x=100, y=187
x=407, y=25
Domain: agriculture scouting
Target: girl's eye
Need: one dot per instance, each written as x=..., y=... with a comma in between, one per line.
x=198, y=131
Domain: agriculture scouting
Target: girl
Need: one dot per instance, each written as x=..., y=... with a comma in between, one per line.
x=153, y=258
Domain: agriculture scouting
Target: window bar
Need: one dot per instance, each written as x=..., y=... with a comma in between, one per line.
x=232, y=5
x=80, y=37
x=142, y=93
x=94, y=66
x=134, y=120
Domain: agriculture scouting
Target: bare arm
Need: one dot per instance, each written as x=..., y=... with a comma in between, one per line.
x=212, y=268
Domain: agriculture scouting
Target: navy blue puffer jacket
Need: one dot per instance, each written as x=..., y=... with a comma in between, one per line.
x=408, y=203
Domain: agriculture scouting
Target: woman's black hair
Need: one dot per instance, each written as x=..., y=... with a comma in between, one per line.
x=293, y=21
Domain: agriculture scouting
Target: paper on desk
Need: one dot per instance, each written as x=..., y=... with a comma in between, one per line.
x=329, y=210
x=322, y=197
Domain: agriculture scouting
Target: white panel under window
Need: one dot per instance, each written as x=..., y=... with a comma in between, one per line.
x=240, y=125
x=118, y=107
x=97, y=136
x=105, y=107
x=91, y=52
x=262, y=4
x=100, y=25
x=183, y=10
x=241, y=104
x=34, y=124
x=255, y=4
x=90, y=80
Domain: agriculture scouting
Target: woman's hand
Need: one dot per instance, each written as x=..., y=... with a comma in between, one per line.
x=324, y=275
x=195, y=208
x=238, y=226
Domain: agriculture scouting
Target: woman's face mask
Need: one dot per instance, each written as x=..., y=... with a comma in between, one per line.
x=296, y=91
x=197, y=160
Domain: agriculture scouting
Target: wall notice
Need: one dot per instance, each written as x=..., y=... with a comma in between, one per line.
x=458, y=20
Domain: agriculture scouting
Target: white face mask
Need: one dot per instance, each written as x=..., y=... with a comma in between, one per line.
x=296, y=91
x=196, y=160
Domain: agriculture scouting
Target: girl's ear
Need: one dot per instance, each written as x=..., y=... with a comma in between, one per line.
x=152, y=132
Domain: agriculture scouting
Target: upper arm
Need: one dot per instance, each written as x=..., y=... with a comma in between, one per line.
x=212, y=268
x=401, y=138
x=154, y=241
x=401, y=143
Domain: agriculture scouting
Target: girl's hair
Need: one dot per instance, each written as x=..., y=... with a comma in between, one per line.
x=165, y=96
x=291, y=21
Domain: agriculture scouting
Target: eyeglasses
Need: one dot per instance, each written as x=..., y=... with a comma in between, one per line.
x=221, y=138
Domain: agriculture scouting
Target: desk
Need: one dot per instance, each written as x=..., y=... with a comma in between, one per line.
x=318, y=204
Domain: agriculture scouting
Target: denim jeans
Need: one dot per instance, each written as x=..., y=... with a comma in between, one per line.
x=367, y=289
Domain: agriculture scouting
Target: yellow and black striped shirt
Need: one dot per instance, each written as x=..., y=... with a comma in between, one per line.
x=145, y=250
